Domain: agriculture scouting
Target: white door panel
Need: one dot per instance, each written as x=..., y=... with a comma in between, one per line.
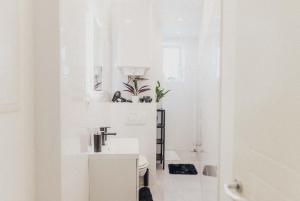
x=261, y=95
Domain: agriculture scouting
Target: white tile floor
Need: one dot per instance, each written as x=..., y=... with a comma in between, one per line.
x=184, y=187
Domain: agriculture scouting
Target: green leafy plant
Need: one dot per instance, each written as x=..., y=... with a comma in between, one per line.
x=160, y=93
x=134, y=89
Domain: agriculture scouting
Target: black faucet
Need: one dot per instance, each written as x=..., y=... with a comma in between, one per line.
x=97, y=142
x=104, y=134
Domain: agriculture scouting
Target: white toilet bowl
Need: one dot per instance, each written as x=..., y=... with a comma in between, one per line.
x=143, y=165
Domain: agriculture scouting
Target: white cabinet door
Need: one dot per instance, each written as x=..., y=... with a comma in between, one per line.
x=113, y=179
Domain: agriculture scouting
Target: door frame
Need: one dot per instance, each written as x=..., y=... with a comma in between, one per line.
x=227, y=93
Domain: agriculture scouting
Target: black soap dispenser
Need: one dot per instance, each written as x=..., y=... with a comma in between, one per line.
x=97, y=142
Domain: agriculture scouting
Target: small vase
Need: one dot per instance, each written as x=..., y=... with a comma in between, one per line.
x=135, y=99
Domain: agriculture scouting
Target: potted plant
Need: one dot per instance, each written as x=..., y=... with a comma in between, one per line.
x=134, y=89
x=160, y=93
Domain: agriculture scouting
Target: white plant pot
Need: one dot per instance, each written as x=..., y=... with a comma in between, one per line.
x=159, y=105
x=135, y=99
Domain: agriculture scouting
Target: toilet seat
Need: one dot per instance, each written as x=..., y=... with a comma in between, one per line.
x=143, y=162
x=143, y=165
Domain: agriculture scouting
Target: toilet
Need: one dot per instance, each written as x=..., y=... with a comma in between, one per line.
x=143, y=165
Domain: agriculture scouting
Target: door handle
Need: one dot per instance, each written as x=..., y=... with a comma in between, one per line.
x=234, y=190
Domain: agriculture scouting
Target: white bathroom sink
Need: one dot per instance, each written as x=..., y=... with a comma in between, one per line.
x=119, y=147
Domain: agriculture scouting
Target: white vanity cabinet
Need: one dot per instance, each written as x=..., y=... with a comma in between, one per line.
x=113, y=173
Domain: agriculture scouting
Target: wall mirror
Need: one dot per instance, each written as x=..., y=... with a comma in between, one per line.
x=99, y=53
x=97, y=57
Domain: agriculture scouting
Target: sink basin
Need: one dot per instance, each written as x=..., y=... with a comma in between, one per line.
x=119, y=147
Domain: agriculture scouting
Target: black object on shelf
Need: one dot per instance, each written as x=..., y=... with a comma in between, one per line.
x=161, y=125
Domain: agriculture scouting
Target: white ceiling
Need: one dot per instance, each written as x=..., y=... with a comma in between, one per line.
x=180, y=18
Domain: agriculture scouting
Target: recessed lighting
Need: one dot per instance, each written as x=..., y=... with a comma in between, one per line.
x=180, y=19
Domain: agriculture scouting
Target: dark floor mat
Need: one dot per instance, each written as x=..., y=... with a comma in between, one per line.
x=145, y=194
x=182, y=169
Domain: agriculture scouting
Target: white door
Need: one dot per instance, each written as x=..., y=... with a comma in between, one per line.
x=260, y=126
x=17, y=92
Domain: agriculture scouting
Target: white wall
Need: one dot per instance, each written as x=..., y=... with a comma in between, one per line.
x=193, y=104
x=81, y=109
x=47, y=84
x=74, y=42
x=17, y=170
x=137, y=121
x=135, y=41
x=132, y=31
x=208, y=87
x=266, y=131
x=181, y=103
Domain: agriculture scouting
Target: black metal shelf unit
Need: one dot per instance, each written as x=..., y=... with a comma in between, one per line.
x=161, y=125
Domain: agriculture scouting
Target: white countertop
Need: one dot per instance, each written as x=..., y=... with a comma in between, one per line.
x=118, y=147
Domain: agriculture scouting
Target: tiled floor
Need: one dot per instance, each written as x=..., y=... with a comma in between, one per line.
x=184, y=187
